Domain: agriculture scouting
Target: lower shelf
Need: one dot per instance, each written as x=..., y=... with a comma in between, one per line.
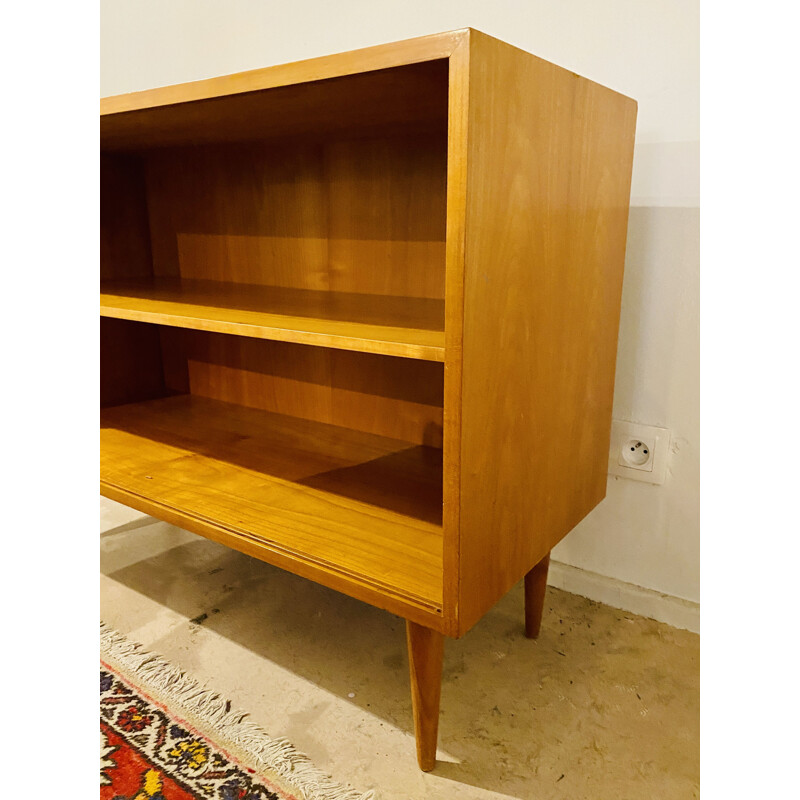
x=359, y=512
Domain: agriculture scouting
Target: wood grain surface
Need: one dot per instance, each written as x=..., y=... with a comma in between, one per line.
x=399, y=326
x=365, y=216
x=362, y=506
x=548, y=184
x=425, y=658
x=396, y=397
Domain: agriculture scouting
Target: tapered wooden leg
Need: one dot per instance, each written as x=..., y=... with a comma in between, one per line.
x=425, y=653
x=535, y=585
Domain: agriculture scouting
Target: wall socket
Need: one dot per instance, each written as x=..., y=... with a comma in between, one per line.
x=638, y=452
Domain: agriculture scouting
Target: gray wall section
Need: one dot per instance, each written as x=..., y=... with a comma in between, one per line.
x=645, y=534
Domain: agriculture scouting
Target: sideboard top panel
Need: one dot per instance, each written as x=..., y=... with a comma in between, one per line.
x=383, y=56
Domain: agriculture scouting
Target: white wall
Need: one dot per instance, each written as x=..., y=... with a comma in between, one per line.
x=641, y=534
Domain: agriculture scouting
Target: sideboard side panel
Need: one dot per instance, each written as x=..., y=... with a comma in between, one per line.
x=548, y=188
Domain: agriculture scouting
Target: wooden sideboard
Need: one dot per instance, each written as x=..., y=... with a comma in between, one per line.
x=359, y=319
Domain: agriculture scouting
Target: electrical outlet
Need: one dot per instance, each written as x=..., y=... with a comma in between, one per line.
x=638, y=452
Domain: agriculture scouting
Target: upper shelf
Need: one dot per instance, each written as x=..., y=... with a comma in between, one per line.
x=411, y=327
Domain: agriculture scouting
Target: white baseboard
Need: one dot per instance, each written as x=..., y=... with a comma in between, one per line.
x=627, y=596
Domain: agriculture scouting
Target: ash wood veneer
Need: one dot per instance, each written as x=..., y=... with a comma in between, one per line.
x=359, y=319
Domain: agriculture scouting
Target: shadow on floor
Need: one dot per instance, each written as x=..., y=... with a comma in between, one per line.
x=600, y=692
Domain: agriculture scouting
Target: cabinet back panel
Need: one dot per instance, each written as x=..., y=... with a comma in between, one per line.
x=365, y=216
x=396, y=397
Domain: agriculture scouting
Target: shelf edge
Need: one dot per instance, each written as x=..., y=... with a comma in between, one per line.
x=421, y=352
x=382, y=596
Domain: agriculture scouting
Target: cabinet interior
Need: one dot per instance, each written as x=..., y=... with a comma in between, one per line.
x=273, y=309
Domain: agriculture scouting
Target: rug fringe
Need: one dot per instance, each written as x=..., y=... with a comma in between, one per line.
x=214, y=710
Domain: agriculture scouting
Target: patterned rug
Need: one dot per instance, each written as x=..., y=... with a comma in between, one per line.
x=163, y=736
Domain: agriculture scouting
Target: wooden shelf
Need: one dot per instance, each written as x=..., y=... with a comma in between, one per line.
x=412, y=327
x=349, y=509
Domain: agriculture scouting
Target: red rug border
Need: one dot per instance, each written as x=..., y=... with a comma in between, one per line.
x=196, y=732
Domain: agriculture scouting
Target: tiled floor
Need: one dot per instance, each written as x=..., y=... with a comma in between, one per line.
x=603, y=705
